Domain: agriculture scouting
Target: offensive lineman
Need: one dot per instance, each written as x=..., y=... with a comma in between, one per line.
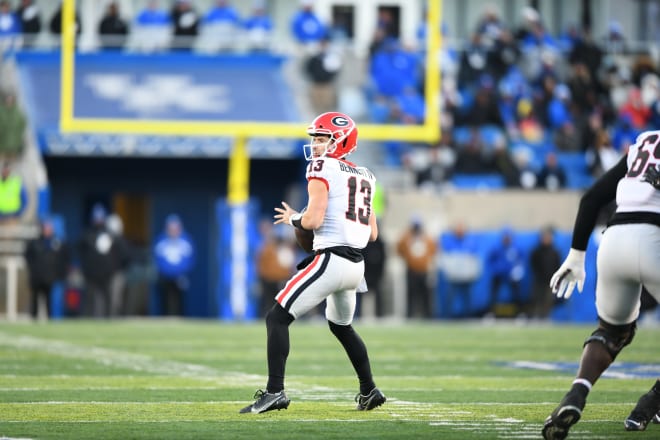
x=628, y=257
x=339, y=212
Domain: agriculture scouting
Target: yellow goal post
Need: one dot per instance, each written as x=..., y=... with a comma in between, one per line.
x=428, y=131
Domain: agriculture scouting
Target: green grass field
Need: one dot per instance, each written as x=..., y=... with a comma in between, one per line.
x=155, y=379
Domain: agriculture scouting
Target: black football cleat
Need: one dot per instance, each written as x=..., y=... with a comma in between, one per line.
x=372, y=400
x=567, y=414
x=267, y=402
x=646, y=410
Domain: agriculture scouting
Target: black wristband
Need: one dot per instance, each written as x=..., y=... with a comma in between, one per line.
x=296, y=221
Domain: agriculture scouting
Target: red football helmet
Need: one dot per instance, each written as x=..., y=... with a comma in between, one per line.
x=342, y=131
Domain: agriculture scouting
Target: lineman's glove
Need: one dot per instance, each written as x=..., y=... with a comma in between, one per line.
x=652, y=176
x=569, y=274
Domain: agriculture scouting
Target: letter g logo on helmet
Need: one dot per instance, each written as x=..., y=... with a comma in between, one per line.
x=340, y=121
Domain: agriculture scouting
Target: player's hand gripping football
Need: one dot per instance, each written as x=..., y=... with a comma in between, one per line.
x=569, y=274
x=652, y=176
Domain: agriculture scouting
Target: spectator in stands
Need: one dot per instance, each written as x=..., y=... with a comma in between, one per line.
x=276, y=261
x=490, y=26
x=484, y=109
x=569, y=37
x=10, y=28
x=529, y=17
x=461, y=265
x=152, y=28
x=306, y=27
x=588, y=52
x=504, y=55
x=175, y=257
x=393, y=68
x=258, y=29
x=377, y=43
x=13, y=196
x=635, y=108
x=97, y=252
x=544, y=261
x=47, y=258
x=528, y=125
x=12, y=128
x=565, y=133
x=585, y=90
x=29, y=15
x=418, y=251
x=507, y=263
x=220, y=27
x=433, y=165
x=473, y=62
x=375, y=257
x=112, y=28
x=504, y=163
x=551, y=176
x=322, y=69
x=623, y=133
x=186, y=22
x=471, y=158
x=601, y=156
x=642, y=65
x=56, y=23
x=522, y=156
x=615, y=41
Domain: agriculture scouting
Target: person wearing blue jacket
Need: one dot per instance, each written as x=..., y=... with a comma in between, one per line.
x=306, y=27
x=174, y=254
x=507, y=263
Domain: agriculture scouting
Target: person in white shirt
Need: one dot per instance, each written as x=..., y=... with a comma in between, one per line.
x=339, y=213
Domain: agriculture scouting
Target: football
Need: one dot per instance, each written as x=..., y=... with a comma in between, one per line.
x=305, y=239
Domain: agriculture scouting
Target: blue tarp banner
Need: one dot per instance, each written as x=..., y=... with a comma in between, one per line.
x=176, y=86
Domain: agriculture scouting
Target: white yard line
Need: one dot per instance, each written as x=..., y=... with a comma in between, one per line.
x=120, y=359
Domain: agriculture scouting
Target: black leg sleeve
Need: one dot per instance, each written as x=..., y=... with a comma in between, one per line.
x=277, y=328
x=357, y=353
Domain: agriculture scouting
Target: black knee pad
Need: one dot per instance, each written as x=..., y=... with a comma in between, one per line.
x=277, y=315
x=613, y=337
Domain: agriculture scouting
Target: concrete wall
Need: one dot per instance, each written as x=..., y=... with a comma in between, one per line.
x=529, y=210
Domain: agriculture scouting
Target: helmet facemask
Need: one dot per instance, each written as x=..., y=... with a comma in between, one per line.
x=318, y=148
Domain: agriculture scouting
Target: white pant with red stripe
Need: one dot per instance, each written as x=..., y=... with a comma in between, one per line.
x=329, y=277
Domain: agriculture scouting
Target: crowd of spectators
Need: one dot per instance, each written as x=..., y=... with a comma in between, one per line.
x=534, y=109
x=167, y=25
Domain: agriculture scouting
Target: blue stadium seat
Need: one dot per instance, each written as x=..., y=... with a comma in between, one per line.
x=478, y=181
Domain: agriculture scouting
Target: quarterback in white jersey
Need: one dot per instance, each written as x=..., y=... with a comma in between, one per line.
x=628, y=258
x=350, y=191
x=339, y=214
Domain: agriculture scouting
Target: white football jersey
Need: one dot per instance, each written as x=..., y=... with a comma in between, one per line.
x=350, y=191
x=633, y=194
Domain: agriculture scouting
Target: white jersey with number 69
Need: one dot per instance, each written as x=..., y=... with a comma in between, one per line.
x=633, y=194
x=351, y=189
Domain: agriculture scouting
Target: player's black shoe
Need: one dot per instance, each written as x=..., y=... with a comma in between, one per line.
x=646, y=410
x=267, y=402
x=567, y=414
x=372, y=400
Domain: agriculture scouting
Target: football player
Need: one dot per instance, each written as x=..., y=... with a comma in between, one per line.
x=628, y=257
x=339, y=212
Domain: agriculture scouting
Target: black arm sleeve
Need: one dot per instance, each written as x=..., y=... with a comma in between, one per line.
x=602, y=192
